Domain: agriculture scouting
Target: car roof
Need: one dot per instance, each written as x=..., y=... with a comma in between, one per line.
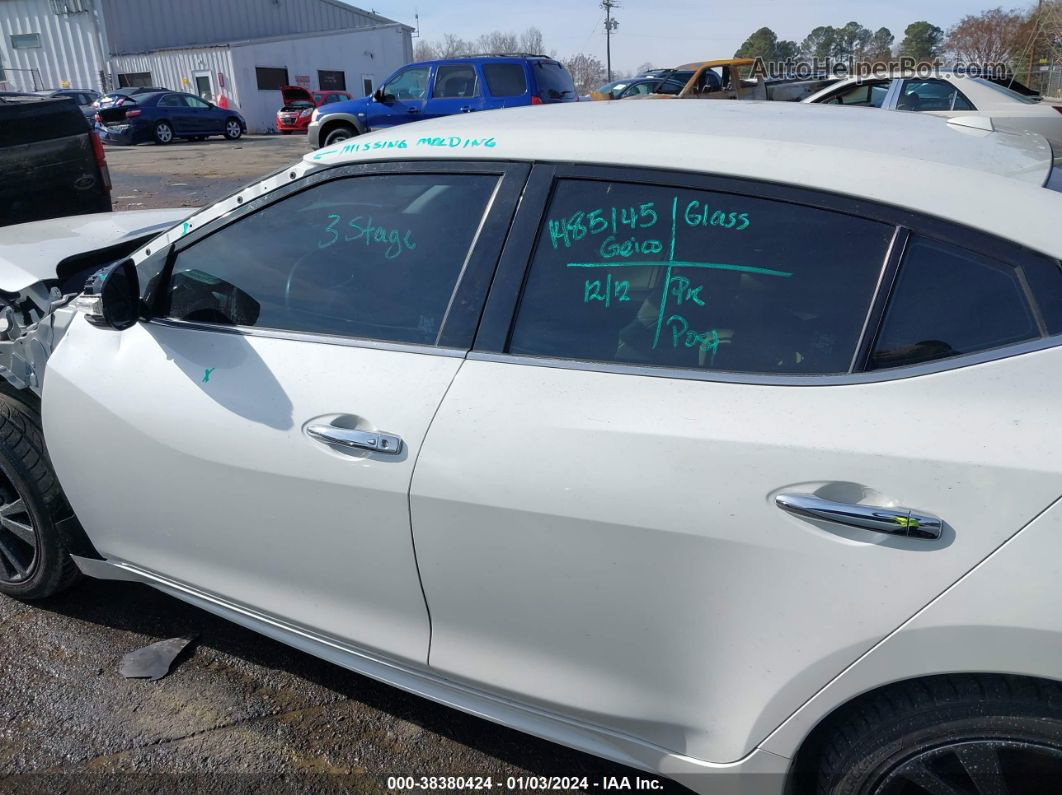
x=908, y=160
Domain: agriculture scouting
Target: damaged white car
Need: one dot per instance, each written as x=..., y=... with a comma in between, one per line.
x=721, y=441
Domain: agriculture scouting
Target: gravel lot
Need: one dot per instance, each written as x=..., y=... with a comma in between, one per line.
x=191, y=174
x=241, y=713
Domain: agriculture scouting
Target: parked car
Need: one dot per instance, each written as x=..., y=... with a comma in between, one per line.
x=431, y=89
x=294, y=115
x=718, y=79
x=669, y=81
x=122, y=95
x=52, y=162
x=165, y=116
x=721, y=441
x=951, y=95
x=84, y=97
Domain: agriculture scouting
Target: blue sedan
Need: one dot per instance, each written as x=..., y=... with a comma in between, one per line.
x=163, y=116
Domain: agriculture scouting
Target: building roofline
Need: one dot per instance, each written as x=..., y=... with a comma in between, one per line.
x=265, y=39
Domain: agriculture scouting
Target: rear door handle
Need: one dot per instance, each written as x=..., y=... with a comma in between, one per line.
x=893, y=521
x=414, y=110
x=379, y=442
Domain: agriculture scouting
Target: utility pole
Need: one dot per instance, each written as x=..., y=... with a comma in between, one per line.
x=610, y=26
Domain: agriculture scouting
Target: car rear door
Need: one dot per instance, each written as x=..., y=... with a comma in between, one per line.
x=260, y=432
x=635, y=505
x=456, y=88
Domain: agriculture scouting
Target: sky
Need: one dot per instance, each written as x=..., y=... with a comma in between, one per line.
x=669, y=32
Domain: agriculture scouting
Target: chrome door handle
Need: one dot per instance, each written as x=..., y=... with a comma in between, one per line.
x=894, y=521
x=366, y=440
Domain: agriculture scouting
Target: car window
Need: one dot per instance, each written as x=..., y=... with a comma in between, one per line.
x=674, y=83
x=408, y=84
x=195, y=102
x=456, y=81
x=636, y=89
x=334, y=98
x=172, y=101
x=505, y=79
x=374, y=256
x=655, y=275
x=869, y=95
x=553, y=80
x=948, y=301
x=931, y=95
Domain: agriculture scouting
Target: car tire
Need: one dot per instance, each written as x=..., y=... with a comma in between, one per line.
x=337, y=134
x=285, y=132
x=31, y=502
x=946, y=733
x=233, y=129
x=163, y=133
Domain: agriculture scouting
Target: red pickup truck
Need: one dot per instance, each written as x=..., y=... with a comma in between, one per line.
x=299, y=104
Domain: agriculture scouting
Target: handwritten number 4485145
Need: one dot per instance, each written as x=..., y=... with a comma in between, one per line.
x=594, y=290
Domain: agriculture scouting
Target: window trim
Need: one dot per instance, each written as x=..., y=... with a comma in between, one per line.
x=467, y=298
x=514, y=266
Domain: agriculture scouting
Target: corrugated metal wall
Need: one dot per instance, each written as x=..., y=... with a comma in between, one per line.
x=135, y=26
x=176, y=69
x=69, y=50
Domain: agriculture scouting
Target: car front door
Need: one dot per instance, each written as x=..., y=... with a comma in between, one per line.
x=260, y=431
x=615, y=507
x=404, y=97
x=203, y=117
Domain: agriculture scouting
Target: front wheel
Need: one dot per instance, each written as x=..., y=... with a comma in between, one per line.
x=33, y=562
x=233, y=129
x=163, y=133
x=947, y=734
x=337, y=134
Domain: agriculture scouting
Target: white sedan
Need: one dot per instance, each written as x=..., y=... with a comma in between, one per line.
x=951, y=96
x=720, y=440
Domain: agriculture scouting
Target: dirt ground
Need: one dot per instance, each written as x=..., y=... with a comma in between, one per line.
x=192, y=174
x=241, y=713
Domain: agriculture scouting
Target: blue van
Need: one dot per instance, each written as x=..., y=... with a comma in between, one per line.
x=429, y=89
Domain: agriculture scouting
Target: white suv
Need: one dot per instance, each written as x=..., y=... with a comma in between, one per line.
x=720, y=440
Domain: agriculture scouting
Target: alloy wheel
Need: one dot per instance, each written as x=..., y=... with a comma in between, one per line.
x=985, y=766
x=232, y=129
x=164, y=133
x=18, y=537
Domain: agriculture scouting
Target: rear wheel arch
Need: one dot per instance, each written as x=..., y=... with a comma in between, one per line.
x=863, y=708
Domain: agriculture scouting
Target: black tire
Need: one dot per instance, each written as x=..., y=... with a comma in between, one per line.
x=960, y=733
x=164, y=133
x=337, y=134
x=28, y=482
x=233, y=128
x=285, y=132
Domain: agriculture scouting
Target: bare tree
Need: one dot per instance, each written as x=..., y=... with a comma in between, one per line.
x=497, y=41
x=645, y=67
x=990, y=37
x=587, y=71
x=531, y=42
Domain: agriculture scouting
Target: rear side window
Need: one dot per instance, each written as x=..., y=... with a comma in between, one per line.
x=456, y=81
x=653, y=275
x=505, y=79
x=44, y=120
x=931, y=95
x=375, y=257
x=948, y=301
x=554, y=82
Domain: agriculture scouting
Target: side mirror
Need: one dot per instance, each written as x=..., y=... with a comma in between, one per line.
x=378, y=95
x=112, y=296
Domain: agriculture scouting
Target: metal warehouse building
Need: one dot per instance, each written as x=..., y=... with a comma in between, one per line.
x=243, y=50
